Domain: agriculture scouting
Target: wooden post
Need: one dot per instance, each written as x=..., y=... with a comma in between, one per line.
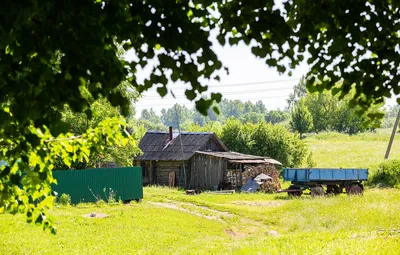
x=396, y=123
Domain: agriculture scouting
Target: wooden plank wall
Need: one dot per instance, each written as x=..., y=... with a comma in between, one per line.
x=207, y=171
x=163, y=170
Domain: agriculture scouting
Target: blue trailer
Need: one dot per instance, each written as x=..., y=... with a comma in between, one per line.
x=333, y=180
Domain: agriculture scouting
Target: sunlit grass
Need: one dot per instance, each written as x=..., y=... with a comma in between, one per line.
x=236, y=224
x=364, y=150
x=170, y=222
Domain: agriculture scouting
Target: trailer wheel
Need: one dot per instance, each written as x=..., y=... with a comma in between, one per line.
x=354, y=190
x=333, y=190
x=317, y=191
x=295, y=193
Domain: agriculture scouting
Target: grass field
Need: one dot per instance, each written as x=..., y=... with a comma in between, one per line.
x=362, y=150
x=170, y=222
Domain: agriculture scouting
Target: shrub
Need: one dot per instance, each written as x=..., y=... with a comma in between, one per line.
x=65, y=199
x=265, y=139
x=386, y=174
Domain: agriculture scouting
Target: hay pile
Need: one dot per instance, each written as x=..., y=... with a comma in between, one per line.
x=270, y=186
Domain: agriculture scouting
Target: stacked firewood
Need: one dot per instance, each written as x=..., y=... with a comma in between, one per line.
x=270, y=186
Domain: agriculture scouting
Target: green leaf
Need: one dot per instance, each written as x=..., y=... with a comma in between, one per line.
x=216, y=110
x=190, y=14
x=162, y=91
x=190, y=94
x=217, y=97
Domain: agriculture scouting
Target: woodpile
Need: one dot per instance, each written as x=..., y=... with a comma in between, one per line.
x=269, y=186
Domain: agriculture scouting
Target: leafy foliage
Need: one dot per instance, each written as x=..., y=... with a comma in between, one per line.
x=386, y=174
x=51, y=51
x=245, y=111
x=175, y=115
x=151, y=121
x=65, y=199
x=299, y=91
x=277, y=142
x=213, y=126
x=336, y=113
x=301, y=120
x=236, y=135
x=79, y=123
x=264, y=139
x=26, y=179
x=252, y=117
x=276, y=116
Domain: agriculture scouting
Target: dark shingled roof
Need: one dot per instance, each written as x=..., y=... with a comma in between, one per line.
x=155, y=145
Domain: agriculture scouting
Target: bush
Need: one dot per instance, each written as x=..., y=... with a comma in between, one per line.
x=65, y=199
x=265, y=139
x=386, y=174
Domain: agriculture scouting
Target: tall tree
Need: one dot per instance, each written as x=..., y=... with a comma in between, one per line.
x=178, y=114
x=322, y=107
x=276, y=116
x=248, y=107
x=299, y=91
x=259, y=107
x=151, y=121
x=252, y=117
x=301, y=119
x=150, y=115
x=236, y=136
x=232, y=108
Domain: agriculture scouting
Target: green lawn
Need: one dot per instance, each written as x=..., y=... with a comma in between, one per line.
x=363, y=150
x=168, y=221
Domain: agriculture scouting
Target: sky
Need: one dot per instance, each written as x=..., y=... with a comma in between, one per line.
x=249, y=79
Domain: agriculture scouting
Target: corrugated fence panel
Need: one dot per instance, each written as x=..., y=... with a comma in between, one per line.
x=85, y=185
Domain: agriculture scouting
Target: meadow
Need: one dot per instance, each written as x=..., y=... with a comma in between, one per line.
x=168, y=221
x=364, y=150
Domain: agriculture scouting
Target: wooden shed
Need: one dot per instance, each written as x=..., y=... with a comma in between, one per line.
x=210, y=169
x=194, y=160
x=167, y=156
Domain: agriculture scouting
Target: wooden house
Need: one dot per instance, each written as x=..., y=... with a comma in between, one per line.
x=195, y=160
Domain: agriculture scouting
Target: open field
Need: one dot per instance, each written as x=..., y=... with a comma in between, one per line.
x=168, y=221
x=362, y=150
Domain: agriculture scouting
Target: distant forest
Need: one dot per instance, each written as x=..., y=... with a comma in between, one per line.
x=305, y=113
x=247, y=112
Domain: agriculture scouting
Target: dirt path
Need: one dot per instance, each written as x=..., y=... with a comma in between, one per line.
x=249, y=226
x=212, y=215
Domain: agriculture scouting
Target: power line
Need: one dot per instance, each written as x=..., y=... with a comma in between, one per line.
x=254, y=83
x=227, y=93
x=241, y=84
x=244, y=83
x=191, y=103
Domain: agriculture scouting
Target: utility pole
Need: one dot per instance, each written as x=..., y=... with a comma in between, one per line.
x=396, y=123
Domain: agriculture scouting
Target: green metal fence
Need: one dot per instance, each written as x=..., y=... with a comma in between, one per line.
x=88, y=185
